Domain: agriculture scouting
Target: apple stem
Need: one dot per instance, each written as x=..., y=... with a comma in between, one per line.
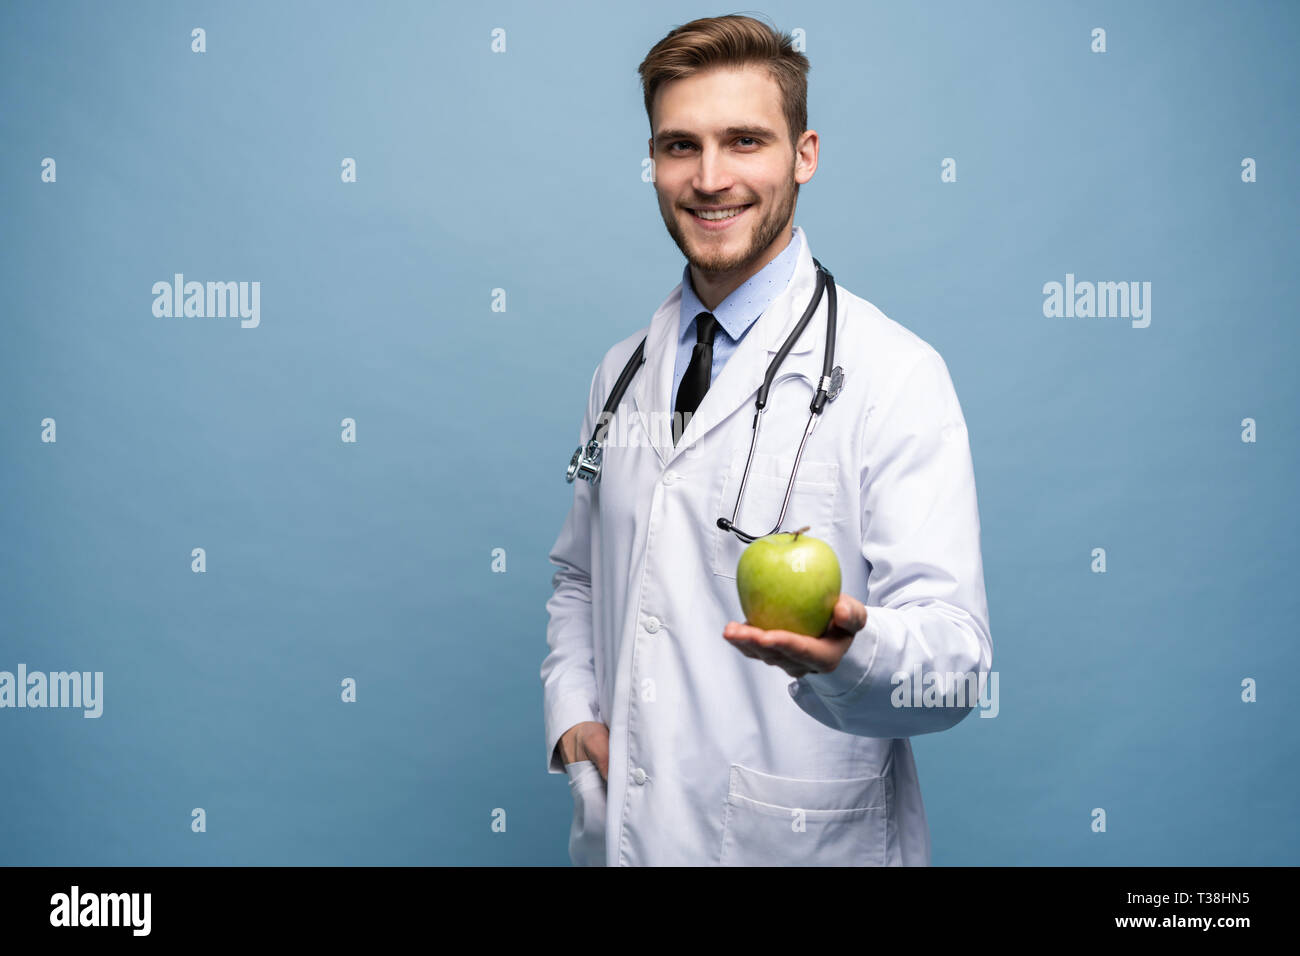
x=801, y=531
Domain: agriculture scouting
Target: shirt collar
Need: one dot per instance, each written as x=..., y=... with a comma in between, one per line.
x=737, y=312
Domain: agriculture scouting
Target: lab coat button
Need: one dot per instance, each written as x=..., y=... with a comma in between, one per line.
x=638, y=775
x=670, y=477
x=652, y=624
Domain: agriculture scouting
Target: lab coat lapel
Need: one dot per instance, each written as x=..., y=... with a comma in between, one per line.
x=738, y=382
x=650, y=394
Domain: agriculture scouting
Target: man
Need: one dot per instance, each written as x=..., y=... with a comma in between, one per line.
x=691, y=738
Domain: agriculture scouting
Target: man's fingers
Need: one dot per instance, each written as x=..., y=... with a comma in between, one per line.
x=795, y=650
x=849, y=617
x=750, y=647
x=791, y=652
x=596, y=746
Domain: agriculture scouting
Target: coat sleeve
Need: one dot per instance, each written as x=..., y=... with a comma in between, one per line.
x=568, y=672
x=920, y=664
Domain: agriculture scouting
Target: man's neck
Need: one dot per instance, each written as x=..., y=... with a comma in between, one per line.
x=712, y=288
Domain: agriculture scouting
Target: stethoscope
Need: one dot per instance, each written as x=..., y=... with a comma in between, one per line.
x=586, y=461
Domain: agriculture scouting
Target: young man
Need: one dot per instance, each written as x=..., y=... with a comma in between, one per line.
x=690, y=738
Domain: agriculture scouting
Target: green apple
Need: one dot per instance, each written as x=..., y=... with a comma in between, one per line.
x=790, y=582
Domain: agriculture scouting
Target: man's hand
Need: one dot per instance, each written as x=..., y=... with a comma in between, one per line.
x=799, y=654
x=588, y=740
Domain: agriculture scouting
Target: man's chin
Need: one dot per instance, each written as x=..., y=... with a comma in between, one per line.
x=719, y=257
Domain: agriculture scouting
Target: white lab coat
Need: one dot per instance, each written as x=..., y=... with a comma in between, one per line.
x=715, y=757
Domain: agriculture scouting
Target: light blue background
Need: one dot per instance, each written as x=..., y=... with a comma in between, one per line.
x=523, y=171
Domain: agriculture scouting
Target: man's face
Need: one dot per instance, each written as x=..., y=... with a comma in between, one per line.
x=721, y=140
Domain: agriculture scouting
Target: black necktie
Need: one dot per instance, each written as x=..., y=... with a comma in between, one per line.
x=698, y=374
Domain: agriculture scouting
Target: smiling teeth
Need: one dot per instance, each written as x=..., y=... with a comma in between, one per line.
x=719, y=213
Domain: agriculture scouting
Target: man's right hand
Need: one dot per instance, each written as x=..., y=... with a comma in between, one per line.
x=588, y=740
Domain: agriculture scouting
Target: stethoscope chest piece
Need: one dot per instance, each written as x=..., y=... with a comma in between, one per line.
x=585, y=463
x=837, y=383
x=586, y=460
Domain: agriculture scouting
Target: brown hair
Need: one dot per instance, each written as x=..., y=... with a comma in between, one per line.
x=732, y=40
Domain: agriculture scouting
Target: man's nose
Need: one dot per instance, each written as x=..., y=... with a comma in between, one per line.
x=713, y=175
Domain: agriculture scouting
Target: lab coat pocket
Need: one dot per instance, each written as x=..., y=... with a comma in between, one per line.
x=784, y=821
x=812, y=502
x=587, y=835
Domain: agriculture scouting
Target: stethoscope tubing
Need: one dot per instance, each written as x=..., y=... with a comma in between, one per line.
x=586, y=461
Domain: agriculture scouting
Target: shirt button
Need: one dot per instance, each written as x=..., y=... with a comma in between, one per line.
x=638, y=775
x=652, y=624
x=794, y=688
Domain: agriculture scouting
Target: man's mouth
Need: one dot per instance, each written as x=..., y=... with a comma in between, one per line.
x=718, y=214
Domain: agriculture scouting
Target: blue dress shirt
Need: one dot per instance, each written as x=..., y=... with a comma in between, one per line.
x=735, y=314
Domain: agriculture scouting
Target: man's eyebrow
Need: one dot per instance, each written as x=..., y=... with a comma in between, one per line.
x=761, y=132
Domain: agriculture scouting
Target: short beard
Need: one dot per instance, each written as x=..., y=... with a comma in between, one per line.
x=769, y=227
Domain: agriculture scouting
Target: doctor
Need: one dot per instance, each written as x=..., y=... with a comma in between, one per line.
x=690, y=737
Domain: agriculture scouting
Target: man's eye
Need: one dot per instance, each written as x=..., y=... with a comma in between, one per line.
x=742, y=140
